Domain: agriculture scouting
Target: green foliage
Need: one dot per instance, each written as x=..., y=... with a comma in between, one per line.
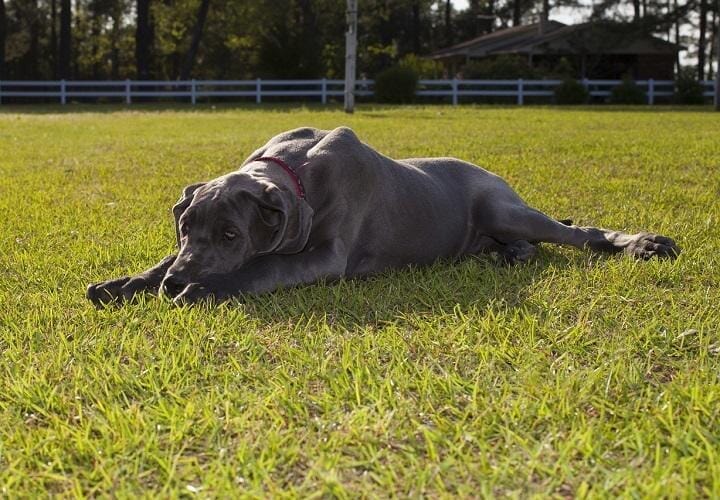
x=423, y=67
x=628, y=92
x=687, y=88
x=501, y=67
x=570, y=91
x=572, y=374
x=563, y=70
x=396, y=85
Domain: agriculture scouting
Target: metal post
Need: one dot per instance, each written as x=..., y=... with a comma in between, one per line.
x=520, y=97
x=63, y=96
x=350, y=55
x=193, y=97
x=454, y=91
x=258, y=91
x=128, y=96
x=651, y=92
x=323, y=90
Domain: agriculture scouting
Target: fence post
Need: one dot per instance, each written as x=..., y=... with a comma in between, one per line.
x=193, y=96
x=63, y=96
x=128, y=97
x=651, y=92
x=258, y=91
x=521, y=87
x=454, y=91
x=323, y=87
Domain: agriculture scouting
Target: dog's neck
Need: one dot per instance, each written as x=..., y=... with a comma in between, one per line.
x=291, y=173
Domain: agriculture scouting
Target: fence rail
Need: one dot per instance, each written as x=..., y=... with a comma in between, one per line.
x=453, y=89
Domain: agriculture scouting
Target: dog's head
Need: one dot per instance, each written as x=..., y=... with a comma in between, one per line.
x=222, y=224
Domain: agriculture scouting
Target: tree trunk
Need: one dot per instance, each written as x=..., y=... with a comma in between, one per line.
x=448, y=23
x=713, y=45
x=3, y=27
x=33, y=55
x=636, y=11
x=544, y=17
x=143, y=40
x=53, y=39
x=677, y=38
x=717, y=55
x=416, y=26
x=491, y=16
x=114, y=51
x=517, y=12
x=65, y=39
x=189, y=62
x=702, y=39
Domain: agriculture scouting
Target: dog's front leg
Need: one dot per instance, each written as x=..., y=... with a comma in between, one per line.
x=270, y=272
x=122, y=289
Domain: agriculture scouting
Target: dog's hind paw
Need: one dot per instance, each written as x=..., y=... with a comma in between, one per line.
x=517, y=252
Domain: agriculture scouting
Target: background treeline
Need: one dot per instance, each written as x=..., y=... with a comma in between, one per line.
x=237, y=39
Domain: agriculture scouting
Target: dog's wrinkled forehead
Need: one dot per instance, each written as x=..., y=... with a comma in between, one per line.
x=226, y=192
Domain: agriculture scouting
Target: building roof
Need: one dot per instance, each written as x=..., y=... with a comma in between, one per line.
x=558, y=38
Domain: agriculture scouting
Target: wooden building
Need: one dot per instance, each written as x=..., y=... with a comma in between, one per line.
x=600, y=50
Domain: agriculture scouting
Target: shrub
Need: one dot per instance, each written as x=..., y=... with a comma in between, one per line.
x=687, y=89
x=628, y=93
x=396, y=85
x=424, y=68
x=570, y=91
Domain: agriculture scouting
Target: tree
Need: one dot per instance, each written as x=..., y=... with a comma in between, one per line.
x=195, y=42
x=65, y=52
x=517, y=12
x=143, y=39
x=3, y=31
x=701, y=39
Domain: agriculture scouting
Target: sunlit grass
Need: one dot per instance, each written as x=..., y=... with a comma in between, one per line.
x=573, y=375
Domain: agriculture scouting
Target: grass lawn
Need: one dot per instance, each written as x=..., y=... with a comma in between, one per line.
x=574, y=375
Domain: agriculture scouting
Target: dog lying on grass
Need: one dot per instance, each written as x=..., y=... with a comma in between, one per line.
x=320, y=205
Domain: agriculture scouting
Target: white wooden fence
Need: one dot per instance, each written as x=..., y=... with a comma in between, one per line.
x=453, y=90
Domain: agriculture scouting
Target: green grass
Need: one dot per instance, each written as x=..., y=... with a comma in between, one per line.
x=575, y=375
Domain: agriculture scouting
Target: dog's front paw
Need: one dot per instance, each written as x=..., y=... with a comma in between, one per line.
x=115, y=291
x=193, y=293
x=647, y=245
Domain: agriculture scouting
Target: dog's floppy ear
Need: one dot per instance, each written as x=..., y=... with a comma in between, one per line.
x=284, y=222
x=179, y=208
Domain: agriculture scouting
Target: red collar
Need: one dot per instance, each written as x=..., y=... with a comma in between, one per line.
x=299, y=189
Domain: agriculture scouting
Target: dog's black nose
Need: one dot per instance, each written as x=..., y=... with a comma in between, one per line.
x=172, y=286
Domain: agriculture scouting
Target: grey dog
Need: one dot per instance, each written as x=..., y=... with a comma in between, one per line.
x=316, y=205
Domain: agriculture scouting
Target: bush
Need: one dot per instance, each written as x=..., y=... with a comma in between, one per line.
x=628, y=93
x=423, y=68
x=571, y=92
x=396, y=85
x=501, y=67
x=687, y=89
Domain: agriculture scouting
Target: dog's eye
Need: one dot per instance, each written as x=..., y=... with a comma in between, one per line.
x=229, y=235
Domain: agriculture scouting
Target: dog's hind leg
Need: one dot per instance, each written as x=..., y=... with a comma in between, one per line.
x=125, y=288
x=512, y=222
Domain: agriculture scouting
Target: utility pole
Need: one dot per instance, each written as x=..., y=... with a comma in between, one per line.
x=350, y=55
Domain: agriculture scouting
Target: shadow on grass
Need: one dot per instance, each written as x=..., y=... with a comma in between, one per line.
x=473, y=282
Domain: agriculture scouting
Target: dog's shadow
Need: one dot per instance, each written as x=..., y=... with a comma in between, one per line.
x=388, y=297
